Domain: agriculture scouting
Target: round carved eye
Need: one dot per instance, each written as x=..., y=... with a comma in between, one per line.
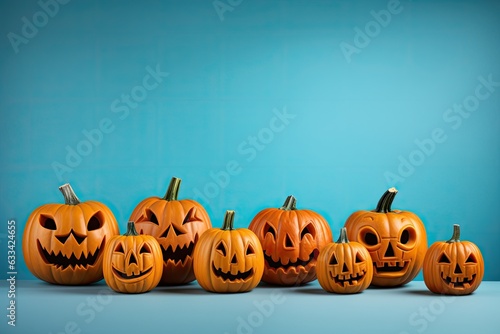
x=369, y=237
x=95, y=222
x=48, y=222
x=407, y=237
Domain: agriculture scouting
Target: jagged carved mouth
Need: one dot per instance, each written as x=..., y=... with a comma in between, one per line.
x=277, y=264
x=348, y=279
x=123, y=275
x=391, y=267
x=459, y=282
x=61, y=261
x=230, y=277
x=180, y=254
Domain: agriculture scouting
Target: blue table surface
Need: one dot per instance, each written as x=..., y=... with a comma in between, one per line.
x=46, y=308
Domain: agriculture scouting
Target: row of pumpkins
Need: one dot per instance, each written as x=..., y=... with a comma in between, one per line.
x=78, y=243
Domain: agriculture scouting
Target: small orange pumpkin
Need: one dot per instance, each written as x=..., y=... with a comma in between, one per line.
x=176, y=225
x=227, y=259
x=291, y=240
x=344, y=267
x=396, y=240
x=63, y=243
x=132, y=263
x=453, y=267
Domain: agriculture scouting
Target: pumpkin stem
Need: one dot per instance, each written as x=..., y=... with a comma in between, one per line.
x=289, y=204
x=69, y=195
x=385, y=202
x=456, y=234
x=173, y=189
x=343, y=236
x=228, y=221
x=131, y=230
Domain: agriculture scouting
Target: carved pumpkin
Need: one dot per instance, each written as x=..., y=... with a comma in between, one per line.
x=63, y=243
x=227, y=259
x=453, y=267
x=396, y=240
x=344, y=267
x=176, y=225
x=132, y=263
x=291, y=240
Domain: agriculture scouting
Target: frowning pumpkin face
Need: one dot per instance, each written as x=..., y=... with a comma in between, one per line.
x=177, y=226
x=63, y=243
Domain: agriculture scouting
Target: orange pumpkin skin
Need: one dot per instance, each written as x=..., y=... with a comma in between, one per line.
x=344, y=267
x=63, y=243
x=396, y=240
x=291, y=240
x=453, y=267
x=177, y=226
x=132, y=263
x=228, y=260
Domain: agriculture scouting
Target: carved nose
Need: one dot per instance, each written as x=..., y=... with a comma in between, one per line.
x=234, y=260
x=344, y=268
x=389, y=252
x=457, y=269
x=132, y=259
x=288, y=242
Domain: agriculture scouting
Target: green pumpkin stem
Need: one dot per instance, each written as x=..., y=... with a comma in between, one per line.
x=228, y=221
x=385, y=202
x=131, y=230
x=456, y=234
x=69, y=195
x=290, y=203
x=173, y=189
x=343, y=236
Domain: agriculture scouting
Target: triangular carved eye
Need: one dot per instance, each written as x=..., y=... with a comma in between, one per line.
x=119, y=248
x=333, y=259
x=191, y=217
x=144, y=249
x=268, y=228
x=150, y=216
x=471, y=259
x=359, y=258
x=444, y=259
x=250, y=250
x=221, y=248
x=309, y=229
x=95, y=222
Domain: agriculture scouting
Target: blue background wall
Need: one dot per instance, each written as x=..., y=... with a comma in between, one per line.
x=354, y=122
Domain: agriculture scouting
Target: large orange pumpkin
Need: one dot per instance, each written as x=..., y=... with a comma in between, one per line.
x=453, y=267
x=292, y=240
x=227, y=259
x=344, y=267
x=132, y=263
x=396, y=240
x=63, y=243
x=176, y=225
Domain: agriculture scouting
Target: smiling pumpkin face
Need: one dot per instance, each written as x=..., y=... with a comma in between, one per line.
x=227, y=259
x=453, y=267
x=63, y=243
x=291, y=240
x=344, y=267
x=132, y=263
x=177, y=226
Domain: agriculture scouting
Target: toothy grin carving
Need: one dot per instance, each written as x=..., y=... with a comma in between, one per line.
x=454, y=282
x=230, y=277
x=277, y=264
x=125, y=276
x=347, y=279
x=180, y=254
x=61, y=261
x=391, y=267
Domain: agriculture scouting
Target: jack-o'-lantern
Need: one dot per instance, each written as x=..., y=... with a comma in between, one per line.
x=344, y=267
x=63, y=243
x=396, y=240
x=132, y=263
x=291, y=240
x=177, y=226
x=227, y=259
x=453, y=267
